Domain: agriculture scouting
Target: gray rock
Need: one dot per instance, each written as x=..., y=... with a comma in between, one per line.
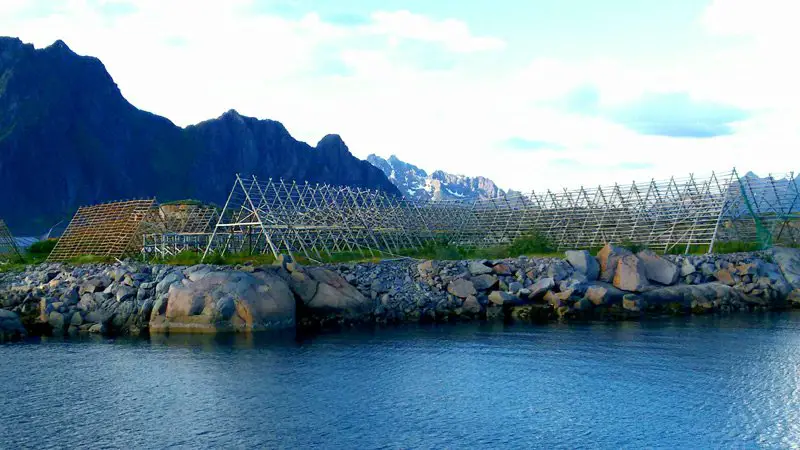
x=500, y=298
x=125, y=293
x=471, y=305
x=484, y=282
x=603, y=294
x=514, y=287
x=461, y=288
x=633, y=303
x=56, y=321
x=76, y=319
x=11, y=327
x=630, y=275
x=788, y=260
x=583, y=262
x=608, y=257
x=479, y=268
x=687, y=268
x=163, y=286
x=540, y=288
x=658, y=269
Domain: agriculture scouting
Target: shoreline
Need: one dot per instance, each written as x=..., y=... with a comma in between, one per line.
x=133, y=299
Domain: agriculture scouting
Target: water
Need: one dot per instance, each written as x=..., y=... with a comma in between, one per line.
x=688, y=383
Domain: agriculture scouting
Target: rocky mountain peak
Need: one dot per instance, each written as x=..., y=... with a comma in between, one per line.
x=417, y=184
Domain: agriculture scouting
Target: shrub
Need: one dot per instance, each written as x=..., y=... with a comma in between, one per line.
x=43, y=247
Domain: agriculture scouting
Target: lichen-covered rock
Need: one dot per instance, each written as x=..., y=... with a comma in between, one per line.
x=584, y=263
x=471, y=305
x=335, y=296
x=658, y=269
x=608, y=257
x=629, y=275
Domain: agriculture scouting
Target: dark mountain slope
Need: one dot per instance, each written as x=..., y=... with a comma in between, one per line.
x=68, y=138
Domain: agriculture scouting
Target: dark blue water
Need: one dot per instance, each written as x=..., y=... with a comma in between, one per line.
x=693, y=383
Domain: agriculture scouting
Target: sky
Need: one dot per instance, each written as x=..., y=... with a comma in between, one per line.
x=533, y=94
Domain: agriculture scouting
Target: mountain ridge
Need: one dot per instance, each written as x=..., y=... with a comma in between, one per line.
x=68, y=137
x=417, y=184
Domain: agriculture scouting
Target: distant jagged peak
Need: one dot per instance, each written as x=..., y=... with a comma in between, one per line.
x=417, y=184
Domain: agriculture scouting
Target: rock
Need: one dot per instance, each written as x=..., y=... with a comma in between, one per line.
x=583, y=262
x=303, y=286
x=630, y=275
x=125, y=293
x=794, y=298
x=583, y=304
x=725, y=277
x=514, y=287
x=428, y=268
x=56, y=321
x=633, y=303
x=336, y=296
x=11, y=327
x=687, y=268
x=658, y=269
x=461, y=288
x=76, y=319
x=92, y=285
x=484, y=282
x=97, y=328
x=540, y=288
x=500, y=298
x=471, y=305
x=262, y=301
x=501, y=269
x=163, y=286
x=603, y=294
x=608, y=257
x=479, y=268
x=557, y=299
x=788, y=260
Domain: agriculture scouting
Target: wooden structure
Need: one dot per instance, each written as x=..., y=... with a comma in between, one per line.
x=108, y=230
x=8, y=247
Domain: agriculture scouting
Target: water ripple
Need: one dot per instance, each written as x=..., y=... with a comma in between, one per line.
x=689, y=383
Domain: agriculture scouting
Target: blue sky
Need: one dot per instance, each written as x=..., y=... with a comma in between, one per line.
x=534, y=94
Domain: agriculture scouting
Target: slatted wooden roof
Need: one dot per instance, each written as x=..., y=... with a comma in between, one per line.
x=110, y=229
x=8, y=247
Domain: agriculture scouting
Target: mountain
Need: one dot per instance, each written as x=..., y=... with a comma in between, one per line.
x=69, y=138
x=416, y=184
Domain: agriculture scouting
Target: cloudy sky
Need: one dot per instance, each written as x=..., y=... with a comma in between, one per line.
x=531, y=93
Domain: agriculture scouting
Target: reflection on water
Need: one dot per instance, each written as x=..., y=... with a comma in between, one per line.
x=698, y=382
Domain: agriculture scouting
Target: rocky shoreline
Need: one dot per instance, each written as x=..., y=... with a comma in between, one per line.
x=138, y=299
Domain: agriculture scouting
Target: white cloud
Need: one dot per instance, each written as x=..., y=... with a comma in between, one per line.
x=191, y=60
x=453, y=34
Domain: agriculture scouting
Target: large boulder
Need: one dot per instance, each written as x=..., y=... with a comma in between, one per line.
x=608, y=257
x=788, y=259
x=583, y=261
x=10, y=326
x=335, y=296
x=224, y=301
x=659, y=269
x=630, y=275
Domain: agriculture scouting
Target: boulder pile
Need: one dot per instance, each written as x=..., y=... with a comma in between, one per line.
x=134, y=298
